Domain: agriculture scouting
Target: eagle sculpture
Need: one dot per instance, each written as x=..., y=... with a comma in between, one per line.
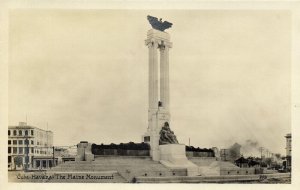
x=158, y=24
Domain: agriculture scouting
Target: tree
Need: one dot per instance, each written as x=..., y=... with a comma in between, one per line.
x=18, y=161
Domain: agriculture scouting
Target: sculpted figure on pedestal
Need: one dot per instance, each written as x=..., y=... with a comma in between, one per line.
x=167, y=136
x=159, y=24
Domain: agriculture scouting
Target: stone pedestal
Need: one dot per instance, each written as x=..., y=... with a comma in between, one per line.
x=173, y=156
x=217, y=153
x=156, y=120
x=84, y=152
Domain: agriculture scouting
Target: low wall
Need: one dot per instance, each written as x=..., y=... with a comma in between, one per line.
x=213, y=179
x=237, y=171
x=199, y=154
x=121, y=152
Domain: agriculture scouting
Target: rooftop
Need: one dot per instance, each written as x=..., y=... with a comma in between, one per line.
x=23, y=125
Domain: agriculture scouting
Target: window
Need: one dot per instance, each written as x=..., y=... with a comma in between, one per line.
x=15, y=141
x=9, y=150
x=15, y=150
x=32, y=150
x=26, y=133
x=38, y=143
x=37, y=163
x=15, y=132
x=20, y=150
x=9, y=141
x=32, y=142
x=8, y=132
x=32, y=132
x=20, y=141
x=20, y=132
x=9, y=159
x=26, y=150
x=44, y=164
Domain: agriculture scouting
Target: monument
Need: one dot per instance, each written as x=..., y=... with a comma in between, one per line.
x=158, y=110
x=164, y=146
x=84, y=152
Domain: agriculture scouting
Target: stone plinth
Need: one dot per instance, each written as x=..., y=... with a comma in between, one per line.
x=159, y=35
x=84, y=152
x=157, y=118
x=173, y=156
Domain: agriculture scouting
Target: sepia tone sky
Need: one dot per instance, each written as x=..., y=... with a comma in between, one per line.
x=85, y=72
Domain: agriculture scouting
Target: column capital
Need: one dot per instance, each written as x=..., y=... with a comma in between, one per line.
x=167, y=44
x=158, y=42
x=151, y=42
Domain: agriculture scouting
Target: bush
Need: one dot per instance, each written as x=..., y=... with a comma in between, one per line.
x=121, y=149
x=198, y=149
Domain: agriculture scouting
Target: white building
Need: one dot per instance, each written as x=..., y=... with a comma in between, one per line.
x=40, y=145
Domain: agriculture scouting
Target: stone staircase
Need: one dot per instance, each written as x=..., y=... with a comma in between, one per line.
x=126, y=167
x=211, y=166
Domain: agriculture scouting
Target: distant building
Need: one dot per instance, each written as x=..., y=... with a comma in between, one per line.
x=288, y=151
x=64, y=154
x=231, y=154
x=224, y=154
x=25, y=140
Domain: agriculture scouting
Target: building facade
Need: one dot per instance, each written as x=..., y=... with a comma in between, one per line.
x=288, y=151
x=27, y=143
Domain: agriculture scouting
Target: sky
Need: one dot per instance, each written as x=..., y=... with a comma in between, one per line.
x=85, y=73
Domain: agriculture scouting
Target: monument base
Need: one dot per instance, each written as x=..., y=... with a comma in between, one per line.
x=84, y=152
x=173, y=156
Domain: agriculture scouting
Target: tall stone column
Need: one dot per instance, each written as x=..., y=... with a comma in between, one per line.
x=153, y=75
x=164, y=75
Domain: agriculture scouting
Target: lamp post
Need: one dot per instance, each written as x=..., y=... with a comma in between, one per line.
x=26, y=154
x=53, y=148
x=261, y=149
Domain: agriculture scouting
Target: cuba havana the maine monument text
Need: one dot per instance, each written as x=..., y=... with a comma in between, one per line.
x=164, y=146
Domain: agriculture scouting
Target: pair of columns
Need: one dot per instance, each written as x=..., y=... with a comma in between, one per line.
x=155, y=77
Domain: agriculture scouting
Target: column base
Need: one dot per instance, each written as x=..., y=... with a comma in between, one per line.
x=173, y=156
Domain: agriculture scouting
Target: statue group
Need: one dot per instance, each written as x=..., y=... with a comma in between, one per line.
x=167, y=136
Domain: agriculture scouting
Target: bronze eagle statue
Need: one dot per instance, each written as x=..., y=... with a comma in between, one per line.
x=158, y=24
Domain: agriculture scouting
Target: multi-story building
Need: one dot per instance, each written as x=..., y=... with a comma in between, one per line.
x=288, y=151
x=224, y=154
x=27, y=143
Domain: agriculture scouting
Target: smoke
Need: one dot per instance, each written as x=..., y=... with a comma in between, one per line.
x=235, y=151
x=250, y=148
x=253, y=149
